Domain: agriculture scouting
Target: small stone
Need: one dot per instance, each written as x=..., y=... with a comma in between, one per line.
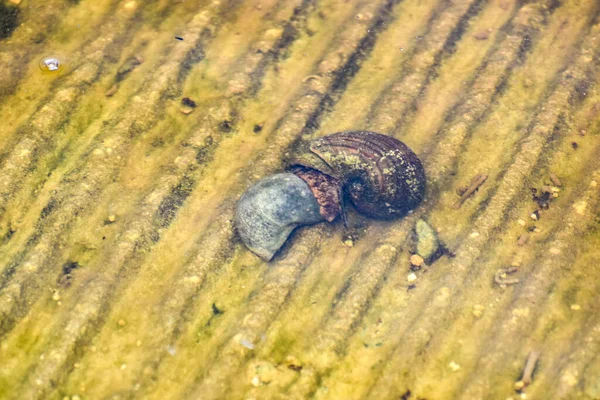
x=411, y=277
x=416, y=260
x=519, y=385
x=521, y=222
x=575, y=307
x=427, y=240
x=186, y=110
x=56, y=296
x=454, y=366
x=122, y=322
x=112, y=218
x=554, y=251
x=534, y=216
x=483, y=35
x=473, y=235
x=478, y=310
x=349, y=243
x=255, y=381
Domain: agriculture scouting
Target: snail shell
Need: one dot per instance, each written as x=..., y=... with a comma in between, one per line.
x=269, y=210
x=382, y=176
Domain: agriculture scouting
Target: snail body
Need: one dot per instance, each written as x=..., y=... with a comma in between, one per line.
x=381, y=176
x=268, y=212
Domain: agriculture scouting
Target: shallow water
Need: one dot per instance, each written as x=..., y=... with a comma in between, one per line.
x=121, y=273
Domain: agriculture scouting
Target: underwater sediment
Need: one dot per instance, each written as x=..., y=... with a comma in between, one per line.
x=122, y=276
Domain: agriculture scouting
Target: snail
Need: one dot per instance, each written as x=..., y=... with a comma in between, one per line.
x=381, y=176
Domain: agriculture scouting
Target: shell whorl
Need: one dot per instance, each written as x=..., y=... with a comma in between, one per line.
x=382, y=176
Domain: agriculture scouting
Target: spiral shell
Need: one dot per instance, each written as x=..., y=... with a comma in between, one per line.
x=381, y=175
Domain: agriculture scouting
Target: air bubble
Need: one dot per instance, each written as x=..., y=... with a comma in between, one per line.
x=51, y=64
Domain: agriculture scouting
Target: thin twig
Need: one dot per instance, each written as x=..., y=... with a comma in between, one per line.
x=475, y=183
x=527, y=378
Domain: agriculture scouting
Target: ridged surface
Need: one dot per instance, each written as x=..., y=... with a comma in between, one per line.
x=121, y=275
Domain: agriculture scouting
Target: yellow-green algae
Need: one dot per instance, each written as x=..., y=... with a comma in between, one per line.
x=325, y=320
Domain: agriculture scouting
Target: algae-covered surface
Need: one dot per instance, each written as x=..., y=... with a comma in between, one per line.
x=122, y=275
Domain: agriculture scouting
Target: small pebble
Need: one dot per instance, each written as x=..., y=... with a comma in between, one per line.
x=56, y=296
x=474, y=234
x=521, y=222
x=483, y=35
x=411, y=277
x=122, y=322
x=112, y=218
x=416, y=260
x=454, y=366
x=534, y=216
x=186, y=110
x=349, y=243
x=575, y=307
x=255, y=381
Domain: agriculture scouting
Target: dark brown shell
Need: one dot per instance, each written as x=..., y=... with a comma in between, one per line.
x=382, y=176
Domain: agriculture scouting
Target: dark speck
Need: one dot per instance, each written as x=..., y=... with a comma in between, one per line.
x=225, y=126
x=216, y=310
x=178, y=38
x=574, y=145
x=186, y=101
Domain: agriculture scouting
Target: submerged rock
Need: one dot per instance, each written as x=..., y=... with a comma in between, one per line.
x=427, y=240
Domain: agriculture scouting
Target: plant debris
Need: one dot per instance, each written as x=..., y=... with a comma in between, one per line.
x=501, y=276
x=527, y=377
x=477, y=181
